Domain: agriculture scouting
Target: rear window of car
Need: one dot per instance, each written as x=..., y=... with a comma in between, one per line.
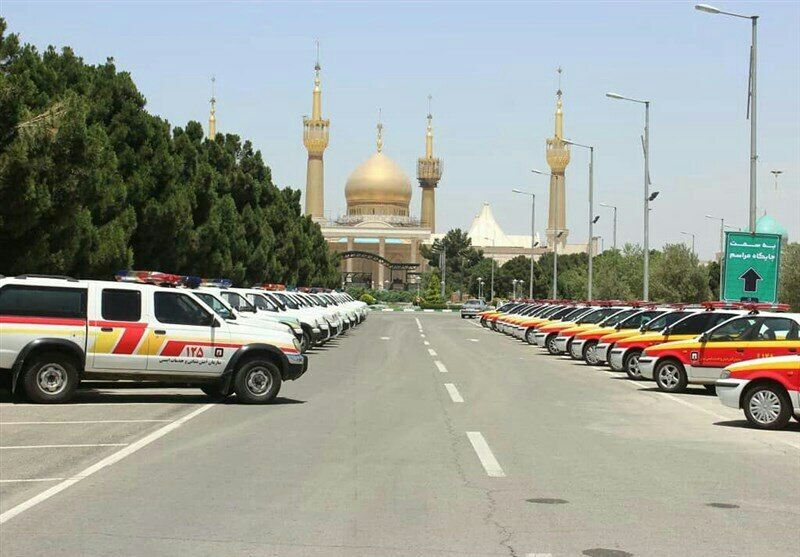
x=43, y=301
x=121, y=305
x=699, y=322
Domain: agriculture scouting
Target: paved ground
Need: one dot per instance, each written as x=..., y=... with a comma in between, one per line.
x=373, y=453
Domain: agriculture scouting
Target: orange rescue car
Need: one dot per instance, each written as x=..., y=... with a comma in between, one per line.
x=674, y=365
x=768, y=390
x=585, y=344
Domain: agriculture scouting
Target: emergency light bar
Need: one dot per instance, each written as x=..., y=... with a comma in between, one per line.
x=217, y=282
x=149, y=277
x=273, y=287
x=763, y=306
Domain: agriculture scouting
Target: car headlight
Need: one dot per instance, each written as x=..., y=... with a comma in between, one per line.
x=725, y=374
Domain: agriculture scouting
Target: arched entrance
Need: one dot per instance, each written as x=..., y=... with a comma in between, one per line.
x=401, y=282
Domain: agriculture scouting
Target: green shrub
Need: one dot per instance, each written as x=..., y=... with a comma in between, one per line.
x=433, y=305
x=368, y=299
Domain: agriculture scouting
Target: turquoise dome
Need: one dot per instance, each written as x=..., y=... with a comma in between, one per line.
x=768, y=225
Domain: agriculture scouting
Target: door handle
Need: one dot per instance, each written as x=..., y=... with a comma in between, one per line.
x=106, y=329
x=740, y=350
x=159, y=332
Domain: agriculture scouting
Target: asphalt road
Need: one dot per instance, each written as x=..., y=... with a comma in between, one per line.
x=471, y=444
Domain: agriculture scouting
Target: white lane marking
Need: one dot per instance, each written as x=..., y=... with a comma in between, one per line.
x=9, y=405
x=419, y=324
x=431, y=351
x=80, y=445
x=455, y=396
x=485, y=454
x=86, y=422
x=107, y=461
x=472, y=339
x=539, y=555
x=21, y=480
x=426, y=343
x=422, y=335
x=440, y=366
x=384, y=338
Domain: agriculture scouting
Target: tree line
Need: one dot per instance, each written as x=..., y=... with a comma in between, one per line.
x=91, y=183
x=676, y=274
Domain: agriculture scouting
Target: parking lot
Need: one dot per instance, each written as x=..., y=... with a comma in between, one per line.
x=414, y=435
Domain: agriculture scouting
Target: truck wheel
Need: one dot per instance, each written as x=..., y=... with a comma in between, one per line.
x=213, y=390
x=631, y=364
x=671, y=376
x=590, y=352
x=767, y=406
x=51, y=378
x=257, y=382
x=305, y=342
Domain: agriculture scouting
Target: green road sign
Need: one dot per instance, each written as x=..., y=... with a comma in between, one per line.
x=751, y=267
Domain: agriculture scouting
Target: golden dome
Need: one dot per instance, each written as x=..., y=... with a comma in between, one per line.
x=378, y=186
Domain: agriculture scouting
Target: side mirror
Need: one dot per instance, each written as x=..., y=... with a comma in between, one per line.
x=703, y=337
x=642, y=329
x=617, y=327
x=666, y=331
x=213, y=322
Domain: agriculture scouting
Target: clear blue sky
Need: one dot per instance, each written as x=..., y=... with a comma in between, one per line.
x=491, y=70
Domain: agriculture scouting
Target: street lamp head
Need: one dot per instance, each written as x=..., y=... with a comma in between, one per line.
x=597, y=218
x=653, y=196
x=614, y=96
x=515, y=190
x=706, y=8
x=535, y=171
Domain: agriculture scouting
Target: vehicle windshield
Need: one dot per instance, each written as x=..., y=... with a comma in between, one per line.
x=596, y=316
x=262, y=302
x=699, y=322
x=664, y=320
x=219, y=307
x=287, y=301
x=473, y=303
x=238, y=302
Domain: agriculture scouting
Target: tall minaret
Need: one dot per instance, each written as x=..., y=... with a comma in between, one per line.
x=557, y=159
x=315, y=138
x=429, y=172
x=212, y=118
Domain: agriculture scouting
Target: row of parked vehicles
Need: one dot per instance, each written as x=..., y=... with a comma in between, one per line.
x=748, y=354
x=149, y=326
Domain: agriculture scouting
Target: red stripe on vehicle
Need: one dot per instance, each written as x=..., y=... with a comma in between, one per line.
x=123, y=324
x=42, y=320
x=130, y=340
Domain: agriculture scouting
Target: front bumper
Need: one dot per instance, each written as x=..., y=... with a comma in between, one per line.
x=562, y=343
x=729, y=391
x=646, y=367
x=615, y=358
x=297, y=365
x=601, y=352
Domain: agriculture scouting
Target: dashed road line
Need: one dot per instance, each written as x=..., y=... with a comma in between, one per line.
x=440, y=366
x=426, y=343
x=422, y=335
x=431, y=351
x=107, y=461
x=485, y=455
x=385, y=338
x=419, y=324
x=472, y=339
x=455, y=396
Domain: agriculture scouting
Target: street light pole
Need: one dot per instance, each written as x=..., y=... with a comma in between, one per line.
x=592, y=219
x=647, y=197
x=615, y=222
x=533, y=234
x=693, y=238
x=721, y=248
x=492, y=258
x=751, y=101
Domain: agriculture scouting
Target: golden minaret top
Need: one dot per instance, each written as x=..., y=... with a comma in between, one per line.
x=212, y=117
x=557, y=149
x=315, y=129
x=429, y=168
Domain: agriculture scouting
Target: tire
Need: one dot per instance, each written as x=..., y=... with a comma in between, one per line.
x=213, y=390
x=767, y=406
x=671, y=376
x=257, y=382
x=589, y=352
x=50, y=378
x=630, y=363
x=529, y=337
x=711, y=389
x=550, y=343
x=305, y=342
